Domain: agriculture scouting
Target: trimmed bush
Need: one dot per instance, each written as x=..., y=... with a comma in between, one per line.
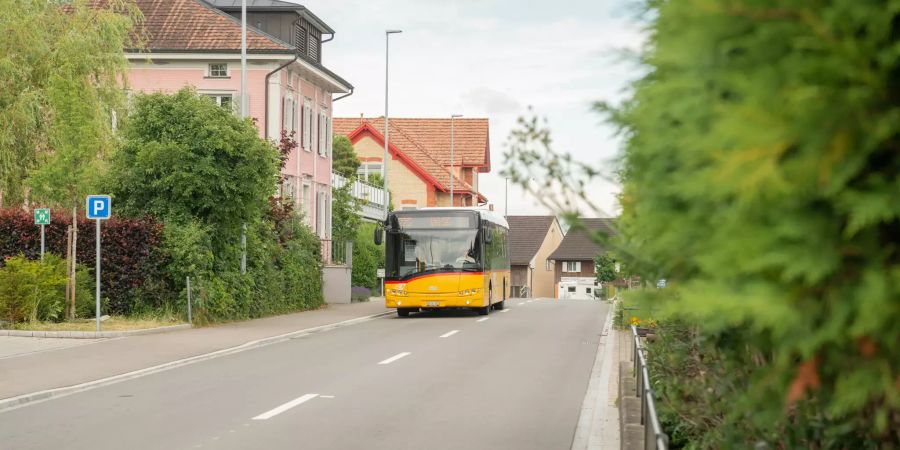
x=133, y=261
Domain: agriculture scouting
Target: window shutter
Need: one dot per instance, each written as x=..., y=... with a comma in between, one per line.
x=329, y=135
x=285, y=109
x=321, y=134
x=307, y=129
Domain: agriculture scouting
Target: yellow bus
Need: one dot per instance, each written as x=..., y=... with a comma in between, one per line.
x=445, y=258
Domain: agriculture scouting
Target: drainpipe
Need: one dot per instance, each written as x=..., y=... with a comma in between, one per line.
x=351, y=87
x=268, y=75
x=343, y=96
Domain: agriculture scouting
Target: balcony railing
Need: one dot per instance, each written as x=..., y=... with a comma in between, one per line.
x=373, y=197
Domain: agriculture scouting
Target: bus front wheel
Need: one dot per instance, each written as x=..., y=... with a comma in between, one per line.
x=485, y=310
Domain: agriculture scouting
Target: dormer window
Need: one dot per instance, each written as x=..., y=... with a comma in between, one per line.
x=308, y=40
x=218, y=70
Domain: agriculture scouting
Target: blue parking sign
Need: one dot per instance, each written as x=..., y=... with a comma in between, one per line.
x=99, y=207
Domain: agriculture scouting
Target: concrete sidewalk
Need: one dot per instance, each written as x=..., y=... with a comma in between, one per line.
x=53, y=369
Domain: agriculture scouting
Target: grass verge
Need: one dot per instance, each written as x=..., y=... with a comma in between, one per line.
x=114, y=323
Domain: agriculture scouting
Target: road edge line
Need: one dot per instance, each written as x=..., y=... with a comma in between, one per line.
x=596, y=387
x=10, y=403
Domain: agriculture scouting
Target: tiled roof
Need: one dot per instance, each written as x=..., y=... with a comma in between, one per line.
x=526, y=234
x=411, y=145
x=194, y=25
x=471, y=144
x=577, y=244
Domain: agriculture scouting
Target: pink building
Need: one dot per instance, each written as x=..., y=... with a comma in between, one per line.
x=198, y=43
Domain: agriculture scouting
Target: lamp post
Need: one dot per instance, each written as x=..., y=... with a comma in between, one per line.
x=244, y=109
x=384, y=165
x=506, y=199
x=452, y=116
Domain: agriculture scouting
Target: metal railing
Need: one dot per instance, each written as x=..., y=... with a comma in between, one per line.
x=336, y=253
x=654, y=437
x=360, y=189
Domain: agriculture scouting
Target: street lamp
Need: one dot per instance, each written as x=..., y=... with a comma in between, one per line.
x=452, y=116
x=384, y=165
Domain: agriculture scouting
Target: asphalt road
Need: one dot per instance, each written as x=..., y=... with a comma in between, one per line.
x=432, y=381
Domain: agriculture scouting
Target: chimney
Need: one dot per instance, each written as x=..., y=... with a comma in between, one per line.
x=490, y=206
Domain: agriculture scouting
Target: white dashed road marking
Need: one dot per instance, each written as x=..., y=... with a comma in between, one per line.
x=482, y=319
x=280, y=409
x=395, y=357
x=450, y=333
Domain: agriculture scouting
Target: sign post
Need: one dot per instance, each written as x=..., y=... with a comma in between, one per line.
x=42, y=218
x=380, y=274
x=99, y=207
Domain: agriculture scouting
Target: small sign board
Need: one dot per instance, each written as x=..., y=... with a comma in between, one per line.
x=379, y=273
x=99, y=207
x=42, y=216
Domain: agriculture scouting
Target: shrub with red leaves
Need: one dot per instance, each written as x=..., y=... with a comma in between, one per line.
x=133, y=262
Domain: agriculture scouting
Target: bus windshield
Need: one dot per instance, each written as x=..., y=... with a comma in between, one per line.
x=413, y=252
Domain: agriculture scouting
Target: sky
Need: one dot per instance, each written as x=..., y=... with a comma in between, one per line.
x=494, y=59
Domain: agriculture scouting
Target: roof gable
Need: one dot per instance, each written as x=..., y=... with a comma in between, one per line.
x=578, y=244
x=526, y=235
x=405, y=147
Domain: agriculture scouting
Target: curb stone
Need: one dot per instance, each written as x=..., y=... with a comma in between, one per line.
x=10, y=403
x=92, y=334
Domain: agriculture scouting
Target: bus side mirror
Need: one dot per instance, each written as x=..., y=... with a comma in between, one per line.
x=488, y=237
x=377, y=237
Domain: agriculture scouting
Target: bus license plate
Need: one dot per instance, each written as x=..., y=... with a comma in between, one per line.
x=434, y=303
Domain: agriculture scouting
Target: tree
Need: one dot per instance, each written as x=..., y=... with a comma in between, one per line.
x=61, y=70
x=605, y=268
x=759, y=176
x=345, y=214
x=185, y=158
x=344, y=157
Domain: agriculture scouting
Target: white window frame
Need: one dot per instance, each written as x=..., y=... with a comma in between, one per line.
x=568, y=264
x=548, y=265
x=217, y=95
x=209, y=70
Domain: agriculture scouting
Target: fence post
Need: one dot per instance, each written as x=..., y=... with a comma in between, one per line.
x=190, y=319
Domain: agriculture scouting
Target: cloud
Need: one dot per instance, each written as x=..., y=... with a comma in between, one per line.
x=491, y=101
x=491, y=58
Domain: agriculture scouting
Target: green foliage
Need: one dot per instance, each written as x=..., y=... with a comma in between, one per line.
x=760, y=178
x=367, y=258
x=345, y=214
x=756, y=176
x=605, y=268
x=344, y=157
x=32, y=291
x=185, y=158
x=375, y=179
x=61, y=71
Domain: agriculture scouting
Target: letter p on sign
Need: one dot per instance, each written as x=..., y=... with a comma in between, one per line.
x=99, y=207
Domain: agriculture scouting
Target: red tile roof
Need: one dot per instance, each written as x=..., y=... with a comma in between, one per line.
x=194, y=25
x=471, y=146
x=411, y=145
